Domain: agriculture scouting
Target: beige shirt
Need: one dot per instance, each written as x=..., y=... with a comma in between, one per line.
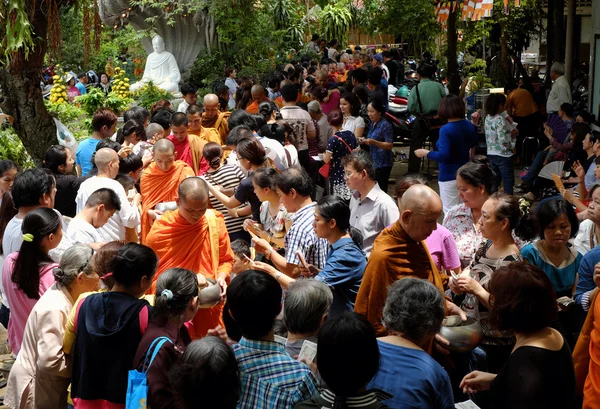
x=42, y=372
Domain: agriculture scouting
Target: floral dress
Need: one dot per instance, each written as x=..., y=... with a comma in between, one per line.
x=338, y=150
x=274, y=225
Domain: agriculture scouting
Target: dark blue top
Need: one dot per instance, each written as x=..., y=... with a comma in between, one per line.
x=343, y=272
x=585, y=281
x=415, y=379
x=456, y=139
x=381, y=131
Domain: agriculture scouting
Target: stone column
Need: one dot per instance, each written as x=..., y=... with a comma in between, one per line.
x=570, y=43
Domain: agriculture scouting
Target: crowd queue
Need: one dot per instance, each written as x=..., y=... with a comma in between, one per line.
x=255, y=258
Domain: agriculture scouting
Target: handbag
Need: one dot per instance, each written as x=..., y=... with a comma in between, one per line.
x=137, y=382
x=324, y=170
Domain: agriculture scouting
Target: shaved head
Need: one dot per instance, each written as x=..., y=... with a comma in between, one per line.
x=420, y=207
x=257, y=91
x=163, y=146
x=104, y=157
x=210, y=99
x=285, y=82
x=193, y=189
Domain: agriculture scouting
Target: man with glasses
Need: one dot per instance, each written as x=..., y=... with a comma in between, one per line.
x=371, y=209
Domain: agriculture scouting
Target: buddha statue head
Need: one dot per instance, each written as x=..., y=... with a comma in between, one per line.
x=158, y=44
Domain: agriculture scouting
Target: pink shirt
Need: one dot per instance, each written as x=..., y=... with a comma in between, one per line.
x=333, y=103
x=443, y=249
x=20, y=304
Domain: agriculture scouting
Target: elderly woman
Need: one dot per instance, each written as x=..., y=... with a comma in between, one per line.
x=412, y=315
x=41, y=374
x=539, y=372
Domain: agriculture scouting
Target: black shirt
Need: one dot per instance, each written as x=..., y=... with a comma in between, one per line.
x=245, y=193
x=535, y=378
x=67, y=187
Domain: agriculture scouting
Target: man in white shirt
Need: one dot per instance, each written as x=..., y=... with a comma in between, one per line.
x=371, y=209
x=189, y=98
x=128, y=216
x=299, y=120
x=99, y=207
x=561, y=90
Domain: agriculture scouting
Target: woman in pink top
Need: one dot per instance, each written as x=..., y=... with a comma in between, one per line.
x=440, y=242
x=27, y=274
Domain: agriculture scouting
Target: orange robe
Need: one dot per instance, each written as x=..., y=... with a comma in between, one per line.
x=219, y=122
x=206, y=135
x=157, y=186
x=253, y=107
x=202, y=248
x=586, y=357
x=301, y=98
x=395, y=256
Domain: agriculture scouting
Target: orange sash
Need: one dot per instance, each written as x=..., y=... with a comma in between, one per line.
x=157, y=186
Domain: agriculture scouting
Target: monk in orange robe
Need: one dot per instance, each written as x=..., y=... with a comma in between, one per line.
x=399, y=252
x=258, y=95
x=194, y=115
x=194, y=237
x=160, y=181
x=214, y=118
x=188, y=148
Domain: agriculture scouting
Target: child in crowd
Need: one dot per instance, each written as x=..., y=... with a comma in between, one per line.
x=99, y=207
x=111, y=324
x=60, y=161
x=27, y=274
x=176, y=302
x=243, y=256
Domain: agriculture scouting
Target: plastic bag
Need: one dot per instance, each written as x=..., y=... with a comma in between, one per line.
x=65, y=137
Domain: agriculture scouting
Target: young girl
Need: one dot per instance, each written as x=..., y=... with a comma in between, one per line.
x=27, y=274
x=108, y=329
x=500, y=137
x=42, y=373
x=176, y=302
x=131, y=133
x=59, y=160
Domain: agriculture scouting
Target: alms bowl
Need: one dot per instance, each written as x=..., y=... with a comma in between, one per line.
x=463, y=336
x=211, y=295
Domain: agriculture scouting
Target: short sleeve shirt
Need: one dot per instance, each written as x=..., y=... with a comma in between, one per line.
x=302, y=237
x=245, y=193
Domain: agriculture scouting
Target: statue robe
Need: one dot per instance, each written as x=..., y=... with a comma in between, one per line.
x=218, y=122
x=161, y=67
x=395, y=256
x=157, y=186
x=202, y=248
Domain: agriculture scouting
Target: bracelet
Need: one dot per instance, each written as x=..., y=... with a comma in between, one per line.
x=277, y=276
x=268, y=253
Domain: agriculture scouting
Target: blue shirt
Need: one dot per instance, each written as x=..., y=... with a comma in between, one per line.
x=381, y=131
x=83, y=157
x=302, y=237
x=590, y=176
x=456, y=139
x=343, y=272
x=271, y=379
x=81, y=88
x=585, y=283
x=415, y=379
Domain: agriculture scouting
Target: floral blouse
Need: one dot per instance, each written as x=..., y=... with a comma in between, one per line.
x=498, y=136
x=274, y=225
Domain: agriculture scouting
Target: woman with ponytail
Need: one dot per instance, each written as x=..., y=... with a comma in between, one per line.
x=226, y=178
x=252, y=156
x=131, y=133
x=27, y=274
x=176, y=303
x=346, y=261
x=42, y=373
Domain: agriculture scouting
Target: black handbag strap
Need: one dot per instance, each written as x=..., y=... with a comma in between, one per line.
x=419, y=100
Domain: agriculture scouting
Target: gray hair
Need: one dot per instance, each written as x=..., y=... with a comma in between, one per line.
x=414, y=308
x=152, y=129
x=306, y=302
x=314, y=107
x=74, y=260
x=558, y=68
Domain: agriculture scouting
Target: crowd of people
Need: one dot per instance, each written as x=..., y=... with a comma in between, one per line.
x=254, y=258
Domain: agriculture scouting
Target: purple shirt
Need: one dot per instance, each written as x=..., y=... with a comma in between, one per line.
x=443, y=249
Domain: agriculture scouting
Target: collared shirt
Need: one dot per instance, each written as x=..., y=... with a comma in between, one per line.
x=372, y=214
x=302, y=237
x=585, y=280
x=559, y=94
x=271, y=379
x=498, y=136
x=381, y=131
x=431, y=94
x=183, y=107
x=343, y=272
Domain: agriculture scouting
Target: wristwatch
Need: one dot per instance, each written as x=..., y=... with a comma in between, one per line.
x=268, y=253
x=278, y=275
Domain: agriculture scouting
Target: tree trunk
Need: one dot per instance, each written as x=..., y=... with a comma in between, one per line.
x=559, y=30
x=20, y=82
x=504, y=54
x=549, y=41
x=452, y=43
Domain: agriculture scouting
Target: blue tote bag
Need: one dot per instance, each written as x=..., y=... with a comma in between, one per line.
x=137, y=383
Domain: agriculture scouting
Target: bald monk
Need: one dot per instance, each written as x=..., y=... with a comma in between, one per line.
x=400, y=251
x=258, y=95
x=214, y=118
x=160, y=181
x=188, y=148
x=194, y=115
x=194, y=237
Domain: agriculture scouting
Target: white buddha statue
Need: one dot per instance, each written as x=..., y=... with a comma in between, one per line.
x=161, y=69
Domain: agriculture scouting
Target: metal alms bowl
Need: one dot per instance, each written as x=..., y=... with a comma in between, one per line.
x=463, y=336
x=164, y=206
x=211, y=295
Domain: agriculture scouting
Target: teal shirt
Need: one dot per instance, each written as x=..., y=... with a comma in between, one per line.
x=431, y=93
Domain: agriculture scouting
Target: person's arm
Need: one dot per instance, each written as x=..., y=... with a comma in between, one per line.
x=387, y=136
x=51, y=358
x=240, y=212
x=281, y=278
x=280, y=262
x=563, y=147
x=327, y=156
x=331, y=142
x=229, y=202
x=70, y=329
x=359, y=130
x=311, y=132
x=443, y=153
x=226, y=259
x=585, y=284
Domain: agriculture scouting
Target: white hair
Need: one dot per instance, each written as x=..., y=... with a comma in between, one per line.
x=558, y=68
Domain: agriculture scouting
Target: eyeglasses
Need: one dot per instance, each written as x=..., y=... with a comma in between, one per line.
x=348, y=175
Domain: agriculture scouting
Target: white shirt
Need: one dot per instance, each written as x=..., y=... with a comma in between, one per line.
x=372, y=214
x=233, y=86
x=351, y=123
x=582, y=241
x=301, y=122
x=183, y=106
x=274, y=151
x=128, y=216
x=291, y=149
x=80, y=231
x=559, y=94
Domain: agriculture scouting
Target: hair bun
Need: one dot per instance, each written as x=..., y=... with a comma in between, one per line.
x=58, y=273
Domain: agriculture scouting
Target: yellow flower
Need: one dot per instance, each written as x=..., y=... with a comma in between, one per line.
x=60, y=101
